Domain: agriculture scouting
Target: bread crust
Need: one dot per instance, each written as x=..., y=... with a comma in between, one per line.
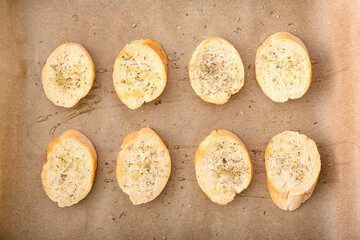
x=204, y=144
x=158, y=49
x=282, y=36
x=133, y=137
x=92, y=71
x=80, y=138
x=193, y=58
x=287, y=200
x=154, y=46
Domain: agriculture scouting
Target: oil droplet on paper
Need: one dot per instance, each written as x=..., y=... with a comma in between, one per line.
x=108, y=169
x=52, y=130
x=93, y=99
x=43, y=118
x=80, y=109
x=172, y=58
x=110, y=69
x=96, y=85
x=314, y=61
x=75, y=18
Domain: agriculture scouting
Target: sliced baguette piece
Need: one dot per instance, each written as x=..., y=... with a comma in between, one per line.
x=69, y=168
x=68, y=75
x=223, y=166
x=143, y=166
x=216, y=70
x=140, y=72
x=283, y=67
x=292, y=168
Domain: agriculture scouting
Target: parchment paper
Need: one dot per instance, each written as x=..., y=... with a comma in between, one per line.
x=328, y=113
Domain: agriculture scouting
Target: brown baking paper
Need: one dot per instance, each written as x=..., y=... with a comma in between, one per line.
x=328, y=113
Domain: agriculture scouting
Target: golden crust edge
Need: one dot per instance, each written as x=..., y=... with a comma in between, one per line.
x=286, y=202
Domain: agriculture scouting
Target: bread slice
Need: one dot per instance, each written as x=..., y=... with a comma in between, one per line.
x=292, y=169
x=140, y=73
x=69, y=168
x=216, y=70
x=143, y=166
x=223, y=166
x=283, y=67
x=68, y=75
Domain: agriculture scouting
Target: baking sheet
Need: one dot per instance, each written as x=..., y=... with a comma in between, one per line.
x=328, y=113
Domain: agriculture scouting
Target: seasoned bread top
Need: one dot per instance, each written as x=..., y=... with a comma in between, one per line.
x=283, y=67
x=143, y=166
x=68, y=75
x=69, y=168
x=292, y=163
x=140, y=73
x=216, y=70
x=223, y=166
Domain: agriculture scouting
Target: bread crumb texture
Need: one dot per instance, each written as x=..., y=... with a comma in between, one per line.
x=68, y=171
x=283, y=68
x=143, y=166
x=223, y=166
x=216, y=70
x=292, y=167
x=140, y=73
x=68, y=74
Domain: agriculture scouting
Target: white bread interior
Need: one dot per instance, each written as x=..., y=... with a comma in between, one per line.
x=68, y=75
x=292, y=168
x=69, y=168
x=283, y=67
x=143, y=166
x=223, y=166
x=216, y=70
x=140, y=73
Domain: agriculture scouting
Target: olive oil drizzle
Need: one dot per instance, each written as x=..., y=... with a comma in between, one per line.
x=96, y=85
x=80, y=109
x=43, y=118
